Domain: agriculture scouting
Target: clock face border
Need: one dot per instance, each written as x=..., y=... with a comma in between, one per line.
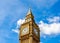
x=26, y=31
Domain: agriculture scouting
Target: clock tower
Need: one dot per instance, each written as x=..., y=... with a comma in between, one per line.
x=29, y=30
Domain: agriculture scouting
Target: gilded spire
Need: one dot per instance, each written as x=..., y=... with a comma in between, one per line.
x=29, y=11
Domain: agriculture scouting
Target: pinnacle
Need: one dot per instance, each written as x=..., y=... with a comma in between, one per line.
x=29, y=11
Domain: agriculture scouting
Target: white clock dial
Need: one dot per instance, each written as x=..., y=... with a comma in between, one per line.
x=25, y=30
x=35, y=31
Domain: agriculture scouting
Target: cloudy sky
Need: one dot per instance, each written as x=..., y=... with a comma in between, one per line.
x=46, y=13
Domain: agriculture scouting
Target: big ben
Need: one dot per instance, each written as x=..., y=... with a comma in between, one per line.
x=29, y=30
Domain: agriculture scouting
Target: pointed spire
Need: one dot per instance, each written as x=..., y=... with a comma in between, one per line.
x=29, y=14
x=29, y=11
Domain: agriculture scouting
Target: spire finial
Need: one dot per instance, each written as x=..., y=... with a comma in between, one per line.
x=29, y=11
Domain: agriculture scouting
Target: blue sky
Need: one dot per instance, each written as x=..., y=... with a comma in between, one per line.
x=46, y=13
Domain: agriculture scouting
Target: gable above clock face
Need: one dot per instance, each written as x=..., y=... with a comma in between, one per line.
x=29, y=19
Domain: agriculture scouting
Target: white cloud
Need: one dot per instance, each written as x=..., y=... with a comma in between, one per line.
x=54, y=19
x=15, y=30
x=19, y=22
x=48, y=29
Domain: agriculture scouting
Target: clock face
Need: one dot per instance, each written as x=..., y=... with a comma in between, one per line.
x=36, y=32
x=25, y=31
